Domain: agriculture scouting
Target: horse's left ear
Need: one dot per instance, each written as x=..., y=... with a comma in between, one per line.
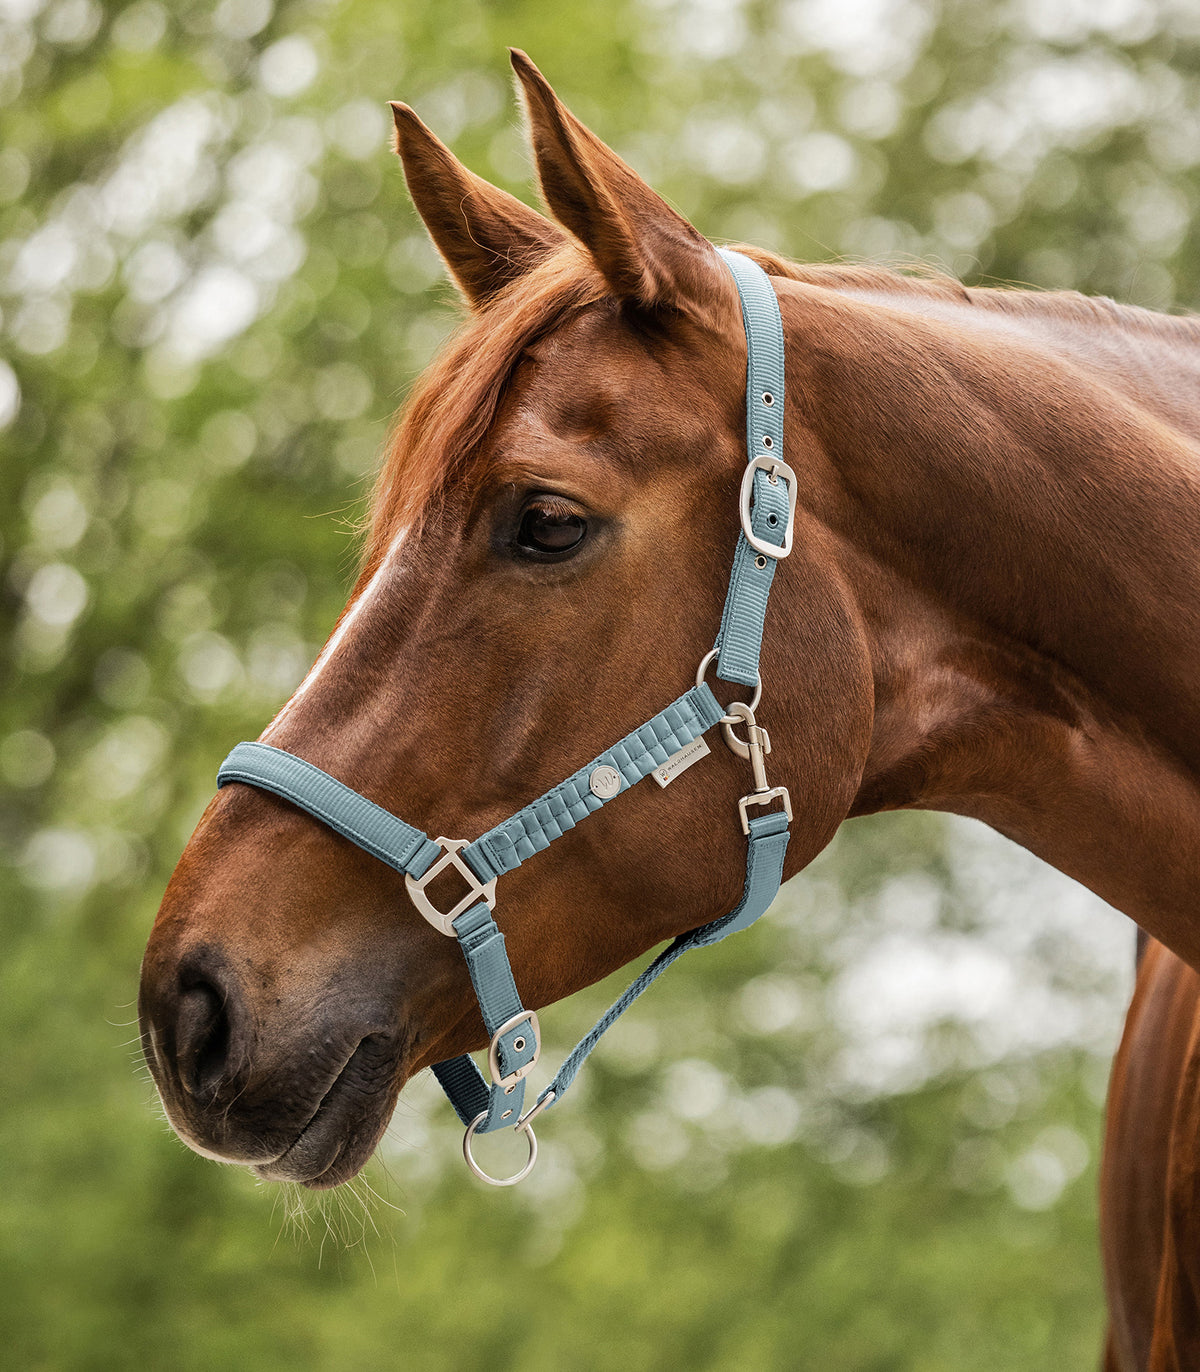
x=486, y=237
x=646, y=252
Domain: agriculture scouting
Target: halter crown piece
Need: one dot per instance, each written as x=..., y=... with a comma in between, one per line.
x=767, y=505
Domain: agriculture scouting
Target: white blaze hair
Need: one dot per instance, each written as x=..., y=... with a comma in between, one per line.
x=338, y=637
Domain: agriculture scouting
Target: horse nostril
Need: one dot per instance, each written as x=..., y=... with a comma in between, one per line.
x=202, y=1038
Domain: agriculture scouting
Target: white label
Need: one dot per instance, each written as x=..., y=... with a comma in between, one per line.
x=681, y=761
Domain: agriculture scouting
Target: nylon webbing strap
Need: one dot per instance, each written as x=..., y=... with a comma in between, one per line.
x=469, y=1092
x=740, y=637
x=535, y=827
x=373, y=828
x=410, y=851
x=764, y=876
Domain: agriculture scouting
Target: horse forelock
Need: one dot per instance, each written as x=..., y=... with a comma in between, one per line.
x=440, y=431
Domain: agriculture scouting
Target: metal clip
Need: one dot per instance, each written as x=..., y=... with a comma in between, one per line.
x=534, y=1111
x=756, y=747
x=764, y=798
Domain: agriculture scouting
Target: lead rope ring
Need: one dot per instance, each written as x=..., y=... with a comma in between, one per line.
x=525, y=1128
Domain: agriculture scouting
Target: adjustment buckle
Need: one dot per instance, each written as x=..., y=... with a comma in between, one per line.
x=775, y=468
x=519, y=1073
x=443, y=920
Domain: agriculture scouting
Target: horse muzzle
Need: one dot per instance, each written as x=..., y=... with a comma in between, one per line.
x=267, y=1075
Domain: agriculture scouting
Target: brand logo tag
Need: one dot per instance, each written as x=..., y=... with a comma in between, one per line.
x=681, y=761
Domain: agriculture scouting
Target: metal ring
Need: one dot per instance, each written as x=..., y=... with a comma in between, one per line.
x=703, y=668
x=480, y=1173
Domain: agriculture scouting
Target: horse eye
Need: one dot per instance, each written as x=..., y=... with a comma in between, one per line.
x=550, y=532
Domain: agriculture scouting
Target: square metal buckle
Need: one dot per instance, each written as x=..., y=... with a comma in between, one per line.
x=518, y=1073
x=764, y=798
x=443, y=920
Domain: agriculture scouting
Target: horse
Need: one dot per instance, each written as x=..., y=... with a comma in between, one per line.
x=991, y=608
x=1149, y=1208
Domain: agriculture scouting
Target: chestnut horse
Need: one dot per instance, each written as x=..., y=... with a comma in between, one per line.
x=1150, y=1201
x=992, y=608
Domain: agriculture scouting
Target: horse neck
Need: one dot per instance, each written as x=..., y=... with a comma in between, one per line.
x=1020, y=505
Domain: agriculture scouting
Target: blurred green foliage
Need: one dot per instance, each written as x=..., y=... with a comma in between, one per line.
x=862, y=1136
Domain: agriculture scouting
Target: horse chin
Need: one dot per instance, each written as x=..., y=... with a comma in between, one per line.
x=344, y=1129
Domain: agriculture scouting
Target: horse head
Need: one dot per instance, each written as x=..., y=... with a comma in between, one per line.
x=548, y=553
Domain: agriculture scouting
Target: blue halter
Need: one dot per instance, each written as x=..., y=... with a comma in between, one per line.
x=767, y=505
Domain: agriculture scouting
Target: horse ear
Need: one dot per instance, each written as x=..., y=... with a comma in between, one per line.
x=646, y=252
x=486, y=237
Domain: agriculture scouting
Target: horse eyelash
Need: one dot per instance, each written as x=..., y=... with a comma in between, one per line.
x=553, y=505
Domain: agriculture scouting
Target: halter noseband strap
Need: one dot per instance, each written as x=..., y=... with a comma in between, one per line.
x=767, y=507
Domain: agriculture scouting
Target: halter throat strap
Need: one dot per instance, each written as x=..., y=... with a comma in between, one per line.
x=767, y=500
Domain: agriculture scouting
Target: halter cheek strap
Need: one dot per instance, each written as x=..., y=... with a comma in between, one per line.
x=767, y=507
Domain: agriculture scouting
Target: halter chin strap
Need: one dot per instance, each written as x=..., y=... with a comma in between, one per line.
x=767, y=503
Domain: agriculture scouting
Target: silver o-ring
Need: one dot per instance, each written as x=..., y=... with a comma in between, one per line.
x=484, y=1176
x=700, y=671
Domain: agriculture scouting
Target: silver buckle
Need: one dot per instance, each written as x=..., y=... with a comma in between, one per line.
x=774, y=468
x=764, y=798
x=519, y=1073
x=443, y=920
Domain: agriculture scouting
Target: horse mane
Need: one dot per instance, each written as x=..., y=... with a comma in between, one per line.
x=920, y=279
x=440, y=429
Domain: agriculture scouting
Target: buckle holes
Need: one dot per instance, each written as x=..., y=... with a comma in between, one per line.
x=519, y=1045
x=760, y=562
x=772, y=519
x=506, y=1114
x=768, y=398
x=768, y=441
